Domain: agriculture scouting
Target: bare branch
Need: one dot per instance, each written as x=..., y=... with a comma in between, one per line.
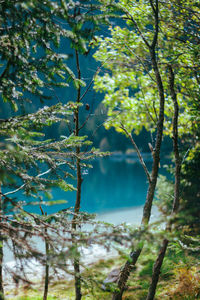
x=146, y=69
x=138, y=153
x=91, y=82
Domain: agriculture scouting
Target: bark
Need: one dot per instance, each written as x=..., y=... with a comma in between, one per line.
x=124, y=274
x=161, y=255
x=156, y=270
x=77, y=275
x=46, y=282
x=77, y=278
x=1, y=254
x=128, y=267
x=156, y=153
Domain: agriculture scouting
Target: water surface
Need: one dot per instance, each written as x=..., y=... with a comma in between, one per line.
x=114, y=183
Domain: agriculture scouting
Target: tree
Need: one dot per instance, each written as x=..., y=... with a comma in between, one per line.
x=31, y=164
x=141, y=60
x=28, y=63
x=29, y=34
x=32, y=66
x=83, y=20
x=151, y=68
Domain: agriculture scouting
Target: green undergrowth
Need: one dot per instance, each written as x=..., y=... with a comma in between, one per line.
x=179, y=280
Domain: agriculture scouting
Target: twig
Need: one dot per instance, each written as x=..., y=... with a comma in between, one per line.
x=23, y=185
x=91, y=82
x=138, y=153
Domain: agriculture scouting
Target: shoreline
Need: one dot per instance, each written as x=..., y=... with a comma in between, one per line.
x=128, y=215
x=90, y=255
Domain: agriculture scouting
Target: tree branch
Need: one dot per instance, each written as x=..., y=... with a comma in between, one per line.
x=23, y=185
x=146, y=69
x=130, y=17
x=156, y=20
x=138, y=153
x=91, y=82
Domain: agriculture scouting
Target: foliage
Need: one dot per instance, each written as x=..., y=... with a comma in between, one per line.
x=179, y=270
x=164, y=195
x=24, y=142
x=147, y=60
x=31, y=67
x=189, y=199
x=185, y=284
x=31, y=33
x=128, y=82
x=62, y=252
x=190, y=188
x=31, y=64
x=29, y=161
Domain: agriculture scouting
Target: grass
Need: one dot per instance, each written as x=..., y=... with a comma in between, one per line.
x=179, y=280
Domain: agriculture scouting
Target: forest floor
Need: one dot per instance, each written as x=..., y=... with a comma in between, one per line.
x=179, y=280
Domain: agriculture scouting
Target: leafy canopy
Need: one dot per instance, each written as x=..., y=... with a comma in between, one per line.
x=129, y=82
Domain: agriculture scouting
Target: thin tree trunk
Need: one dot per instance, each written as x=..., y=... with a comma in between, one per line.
x=77, y=275
x=129, y=265
x=156, y=270
x=46, y=281
x=161, y=255
x=1, y=253
x=124, y=274
x=156, y=152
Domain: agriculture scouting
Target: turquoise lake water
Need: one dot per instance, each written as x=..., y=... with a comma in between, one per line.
x=113, y=183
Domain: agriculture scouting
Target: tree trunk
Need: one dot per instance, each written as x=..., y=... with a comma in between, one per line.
x=124, y=274
x=156, y=152
x=46, y=281
x=77, y=275
x=161, y=255
x=156, y=270
x=128, y=267
x=175, y=143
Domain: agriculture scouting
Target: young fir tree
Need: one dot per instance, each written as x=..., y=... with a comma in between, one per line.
x=31, y=67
